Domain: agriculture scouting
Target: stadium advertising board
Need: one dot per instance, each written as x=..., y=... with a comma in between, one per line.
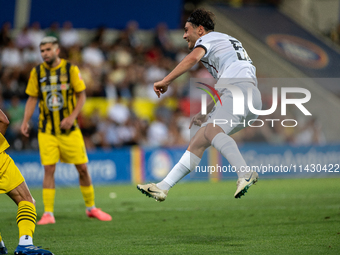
x=116, y=166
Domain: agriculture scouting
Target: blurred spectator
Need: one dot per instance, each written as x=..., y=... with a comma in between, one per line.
x=30, y=56
x=92, y=55
x=15, y=113
x=68, y=35
x=99, y=36
x=129, y=37
x=10, y=55
x=36, y=35
x=335, y=34
x=119, y=128
x=158, y=132
x=107, y=134
x=179, y=132
x=74, y=54
x=5, y=36
x=119, y=113
x=310, y=134
x=89, y=128
x=163, y=41
x=23, y=39
x=121, y=56
x=53, y=30
x=154, y=72
x=9, y=83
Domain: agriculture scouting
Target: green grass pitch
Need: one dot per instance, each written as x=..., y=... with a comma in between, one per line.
x=287, y=216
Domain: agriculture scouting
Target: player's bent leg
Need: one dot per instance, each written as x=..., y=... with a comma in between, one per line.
x=26, y=218
x=228, y=148
x=190, y=159
x=226, y=145
x=26, y=215
x=21, y=193
x=198, y=144
x=211, y=131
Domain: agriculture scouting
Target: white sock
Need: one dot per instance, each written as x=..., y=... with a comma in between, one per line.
x=26, y=240
x=228, y=148
x=90, y=208
x=186, y=164
x=50, y=213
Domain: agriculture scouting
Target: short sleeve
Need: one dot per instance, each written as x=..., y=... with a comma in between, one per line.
x=204, y=43
x=32, y=88
x=3, y=143
x=76, y=80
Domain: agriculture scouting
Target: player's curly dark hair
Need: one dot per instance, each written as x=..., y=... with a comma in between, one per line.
x=203, y=18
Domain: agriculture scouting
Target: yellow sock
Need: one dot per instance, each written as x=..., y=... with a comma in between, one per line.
x=1, y=242
x=88, y=195
x=26, y=217
x=48, y=199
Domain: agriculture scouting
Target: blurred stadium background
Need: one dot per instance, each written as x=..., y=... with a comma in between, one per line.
x=121, y=48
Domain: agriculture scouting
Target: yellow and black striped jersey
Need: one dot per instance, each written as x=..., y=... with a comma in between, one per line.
x=55, y=88
x=3, y=143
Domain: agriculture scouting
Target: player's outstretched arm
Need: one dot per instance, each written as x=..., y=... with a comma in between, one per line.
x=186, y=64
x=4, y=122
x=29, y=110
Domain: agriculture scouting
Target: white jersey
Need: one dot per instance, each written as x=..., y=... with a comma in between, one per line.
x=226, y=58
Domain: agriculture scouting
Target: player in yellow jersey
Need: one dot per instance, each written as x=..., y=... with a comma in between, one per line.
x=60, y=90
x=13, y=184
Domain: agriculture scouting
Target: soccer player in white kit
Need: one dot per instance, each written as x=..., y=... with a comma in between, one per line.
x=227, y=61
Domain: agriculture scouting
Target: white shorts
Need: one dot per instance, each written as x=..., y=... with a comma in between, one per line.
x=222, y=115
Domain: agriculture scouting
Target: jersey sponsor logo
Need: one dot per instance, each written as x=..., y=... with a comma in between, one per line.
x=55, y=87
x=63, y=78
x=53, y=78
x=54, y=101
x=298, y=50
x=42, y=79
x=64, y=86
